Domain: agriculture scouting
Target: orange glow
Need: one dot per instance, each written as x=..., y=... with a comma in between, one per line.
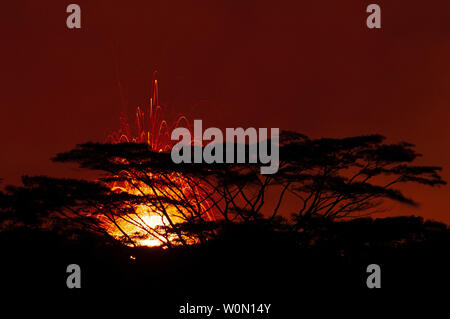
x=146, y=225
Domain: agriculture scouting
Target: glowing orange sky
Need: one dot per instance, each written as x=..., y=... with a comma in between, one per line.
x=310, y=66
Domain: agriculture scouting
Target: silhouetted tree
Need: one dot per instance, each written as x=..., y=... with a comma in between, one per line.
x=332, y=178
x=337, y=178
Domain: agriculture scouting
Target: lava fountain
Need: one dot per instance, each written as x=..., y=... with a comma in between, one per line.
x=145, y=227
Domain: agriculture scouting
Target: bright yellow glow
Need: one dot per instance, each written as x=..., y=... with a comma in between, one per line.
x=143, y=225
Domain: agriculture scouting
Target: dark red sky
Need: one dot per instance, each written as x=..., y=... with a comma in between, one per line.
x=310, y=66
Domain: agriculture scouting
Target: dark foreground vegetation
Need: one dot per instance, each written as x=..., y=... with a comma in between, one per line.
x=325, y=263
x=296, y=239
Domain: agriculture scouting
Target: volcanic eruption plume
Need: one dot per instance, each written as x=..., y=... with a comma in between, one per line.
x=145, y=226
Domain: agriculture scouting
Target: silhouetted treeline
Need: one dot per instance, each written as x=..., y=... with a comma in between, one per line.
x=225, y=234
x=320, y=179
x=250, y=262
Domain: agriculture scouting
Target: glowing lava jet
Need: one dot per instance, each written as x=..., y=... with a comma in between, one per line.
x=145, y=226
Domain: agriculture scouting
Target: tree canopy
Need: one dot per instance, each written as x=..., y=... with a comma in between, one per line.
x=328, y=178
